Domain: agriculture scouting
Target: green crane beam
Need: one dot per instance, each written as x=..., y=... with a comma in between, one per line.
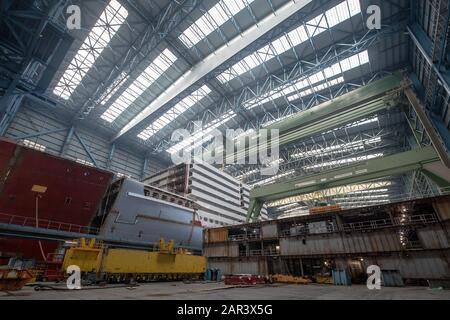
x=343, y=110
x=417, y=159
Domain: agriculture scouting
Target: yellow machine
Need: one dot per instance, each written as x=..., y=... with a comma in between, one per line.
x=115, y=264
x=280, y=278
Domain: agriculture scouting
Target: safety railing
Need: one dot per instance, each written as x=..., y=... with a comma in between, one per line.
x=363, y=225
x=306, y=230
x=23, y=221
x=258, y=252
x=242, y=237
x=397, y=221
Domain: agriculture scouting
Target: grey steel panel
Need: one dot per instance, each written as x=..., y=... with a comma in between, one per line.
x=269, y=231
x=222, y=250
x=433, y=238
x=418, y=266
x=135, y=217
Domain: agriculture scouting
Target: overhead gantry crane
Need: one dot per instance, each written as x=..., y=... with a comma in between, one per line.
x=383, y=94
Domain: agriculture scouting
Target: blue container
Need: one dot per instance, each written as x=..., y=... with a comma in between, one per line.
x=341, y=278
x=219, y=275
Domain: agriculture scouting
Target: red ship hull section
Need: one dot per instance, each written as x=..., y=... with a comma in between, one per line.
x=73, y=192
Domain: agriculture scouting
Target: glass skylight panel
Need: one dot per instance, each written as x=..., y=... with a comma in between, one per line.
x=336, y=149
x=115, y=86
x=354, y=7
x=203, y=135
x=215, y=17
x=97, y=40
x=316, y=89
x=369, y=191
x=344, y=161
x=273, y=179
x=379, y=196
x=174, y=112
x=336, y=69
x=336, y=15
x=142, y=83
x=298, y=36
x=355, y=124
x=281, y=45
x=317, y=25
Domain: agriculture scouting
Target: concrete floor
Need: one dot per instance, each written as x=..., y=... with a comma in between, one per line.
x=218, y=291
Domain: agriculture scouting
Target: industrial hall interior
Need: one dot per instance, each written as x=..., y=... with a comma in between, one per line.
x=225, y=149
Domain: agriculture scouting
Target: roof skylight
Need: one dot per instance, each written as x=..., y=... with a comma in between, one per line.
x=174, y=112
x=364, y=203
x=345, y=161
x=303, y=33
x=211, y=20
x=356, y=124
x=363, y=198
x=113, y=88
x=296, y=90
x=331, y=192
x=97, y=40
x=201, y=136
x=142, y=83
x=337, y=149
x=273, y=179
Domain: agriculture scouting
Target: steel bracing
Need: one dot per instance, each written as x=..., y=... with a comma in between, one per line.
x=369, y=170
x=258, y=97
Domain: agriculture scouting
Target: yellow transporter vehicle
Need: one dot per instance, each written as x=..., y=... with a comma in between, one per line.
x=100, y=263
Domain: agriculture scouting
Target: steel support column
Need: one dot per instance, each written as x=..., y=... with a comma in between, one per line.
x=11, y=108
x=67, y=141
x=144, y=167
x=86, y=149
x=112, y=151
